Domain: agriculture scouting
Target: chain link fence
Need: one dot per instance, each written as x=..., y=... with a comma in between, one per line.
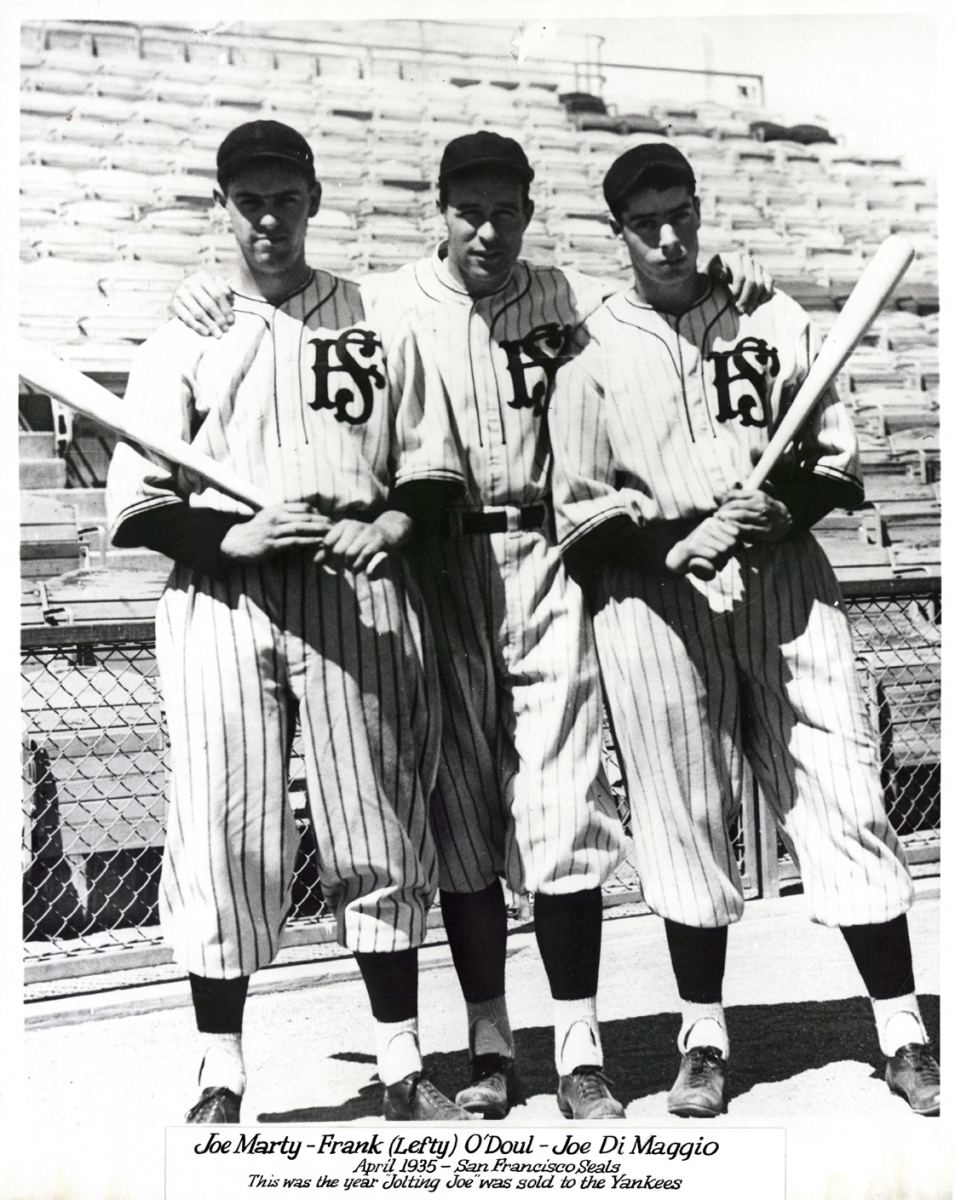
x=94, y=749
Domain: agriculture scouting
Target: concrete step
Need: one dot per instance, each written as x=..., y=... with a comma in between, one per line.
x=37, y=445
x=90, y=503
x=42, y=473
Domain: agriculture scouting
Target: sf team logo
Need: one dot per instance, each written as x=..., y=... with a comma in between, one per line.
x=348, y=372
x=754, y=366
x=532, y=362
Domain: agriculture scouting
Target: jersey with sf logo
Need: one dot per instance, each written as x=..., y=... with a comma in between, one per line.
x=296, y=397
x=681, y=409
x=492, y=363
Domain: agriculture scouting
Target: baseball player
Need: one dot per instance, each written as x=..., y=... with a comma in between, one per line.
x=655, y=424
x=520, y=791
x=272, y=615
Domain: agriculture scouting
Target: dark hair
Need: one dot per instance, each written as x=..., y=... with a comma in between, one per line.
x=658, y=178
x=475, y=173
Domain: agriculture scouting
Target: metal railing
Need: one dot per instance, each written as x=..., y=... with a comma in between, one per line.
x=95, y=778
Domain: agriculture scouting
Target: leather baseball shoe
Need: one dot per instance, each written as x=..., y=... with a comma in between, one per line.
x=415, y=1098
x=913, y=1073
x=698, y=1091
x=585, y=1096
x=489, y=1093
x=216, y=1106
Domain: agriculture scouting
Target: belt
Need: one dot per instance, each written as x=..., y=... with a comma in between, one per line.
x=496, y=520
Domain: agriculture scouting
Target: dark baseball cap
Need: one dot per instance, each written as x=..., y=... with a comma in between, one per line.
x=263, y=140
x=484, y=149
x=626, y=172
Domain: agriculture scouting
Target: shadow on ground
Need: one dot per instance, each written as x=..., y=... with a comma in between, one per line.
x=771, y=1042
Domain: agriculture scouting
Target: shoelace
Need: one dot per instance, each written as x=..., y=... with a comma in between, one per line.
x=921, y=1060
x=206, y=1103
x=702, y=1060
x=424, y=1085
x=589, y=1082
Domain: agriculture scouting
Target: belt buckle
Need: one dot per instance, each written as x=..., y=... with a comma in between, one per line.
x=513, y=519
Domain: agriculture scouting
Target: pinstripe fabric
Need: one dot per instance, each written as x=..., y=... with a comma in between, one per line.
x=757, y=663
x=649, y=430
x=240, y=656
x=520, y=791
x=279, y=399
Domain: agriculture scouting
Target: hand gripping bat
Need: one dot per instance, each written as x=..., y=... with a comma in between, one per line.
x=876, y=283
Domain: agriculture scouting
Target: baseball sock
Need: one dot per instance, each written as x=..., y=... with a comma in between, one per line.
x=883, y=955
x=391, y=981
x=568, y=929
x=698, y=957
x=576, y=1035
x=476, y=925
x=396, y=1046
x=489, y=1029
x=219, y=1006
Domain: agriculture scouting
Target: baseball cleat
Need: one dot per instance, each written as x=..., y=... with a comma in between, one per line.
x=698, y=1091
x=489, y=1093
x=913, y=1073
x=216, y=1106
x=415, y=1098
x=585, y=1095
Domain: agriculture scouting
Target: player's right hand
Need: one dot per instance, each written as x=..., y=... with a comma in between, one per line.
x=204, y=303
x=706, y=550
x=273, y=530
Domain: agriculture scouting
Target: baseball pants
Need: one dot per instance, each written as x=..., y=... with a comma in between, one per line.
x=757, y=663
x=238, y=657
x=521, y=792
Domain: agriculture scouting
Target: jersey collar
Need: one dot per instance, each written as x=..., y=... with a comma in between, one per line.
x=436, y=280
x=634, y=301
x=316, y=279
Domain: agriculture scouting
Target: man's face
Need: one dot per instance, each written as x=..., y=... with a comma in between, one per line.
x=661, y=232
x=486, y=216
x=269, y=205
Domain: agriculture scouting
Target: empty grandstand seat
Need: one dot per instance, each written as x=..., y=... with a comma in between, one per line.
x=51, y=79
x=103, y=108
x=152, y=133
x=49, y=537
x=131, y=186
x=37, y=180
x=87, y=243
x=46, y=104
x=90, y=133
x=106, y=214
x=194, y=189
x=160, y=246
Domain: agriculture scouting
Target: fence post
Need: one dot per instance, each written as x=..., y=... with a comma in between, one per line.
x=768, y=843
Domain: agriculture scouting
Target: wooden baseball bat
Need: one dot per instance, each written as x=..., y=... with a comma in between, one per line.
x=52, y=375
x=876, y=283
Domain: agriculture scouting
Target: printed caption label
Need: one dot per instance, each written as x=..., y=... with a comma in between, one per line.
x=699, y=1163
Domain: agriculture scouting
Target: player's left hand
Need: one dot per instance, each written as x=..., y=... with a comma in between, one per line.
x=758, y=516
x=352, y=544
x=749, y=284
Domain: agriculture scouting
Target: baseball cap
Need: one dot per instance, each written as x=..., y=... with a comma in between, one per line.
x=261, y=140
x=484, y=149
x=626, y=171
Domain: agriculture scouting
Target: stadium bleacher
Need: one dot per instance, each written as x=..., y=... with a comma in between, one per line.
x=118, y=138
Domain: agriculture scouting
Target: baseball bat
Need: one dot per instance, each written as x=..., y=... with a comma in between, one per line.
x=52, y=375
x=876, y=283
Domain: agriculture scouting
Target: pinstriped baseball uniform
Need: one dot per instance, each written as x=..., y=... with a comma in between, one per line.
x=521, y=791
x=295, y=398
x=656, y=418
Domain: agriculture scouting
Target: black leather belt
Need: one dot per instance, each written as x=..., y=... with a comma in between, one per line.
x=467, y=521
